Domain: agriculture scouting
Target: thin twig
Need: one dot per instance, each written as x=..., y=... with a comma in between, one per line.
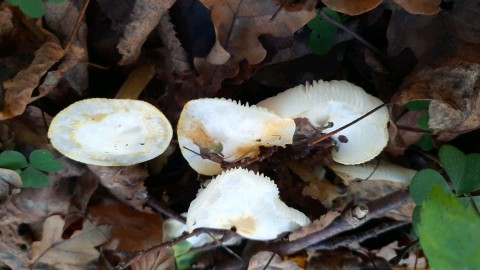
x=330, y=134
x=376, y=209
x=167, y=245
x=163, y=209
x=77, y=26
x=367, y=44
x=336, y=242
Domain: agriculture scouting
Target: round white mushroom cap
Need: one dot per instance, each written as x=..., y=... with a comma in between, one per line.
x=230, y=129
x=338, y=102
x=246, y=201
x=110, y=132
x=374, y=170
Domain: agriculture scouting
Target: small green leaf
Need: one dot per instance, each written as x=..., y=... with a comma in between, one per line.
x=418, y=105
x=471, y=179
x=422, y=183
x=13, y=2
x=44, y=161
x=323, y=33
x=12, y=160
x=32, y=8
x=183, y=259
x=34, y=178
x=181, y=248
x=425, y=143
x=453, y=160
x=423, y=122
x=416, y=217
x=448, y=232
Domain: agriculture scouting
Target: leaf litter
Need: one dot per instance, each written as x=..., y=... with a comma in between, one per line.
x=91, y=216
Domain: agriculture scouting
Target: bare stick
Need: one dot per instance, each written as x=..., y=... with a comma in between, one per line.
x=330, y=134
x=77, y=25
x=343, y=223
x=335, y=242
x=163, y=209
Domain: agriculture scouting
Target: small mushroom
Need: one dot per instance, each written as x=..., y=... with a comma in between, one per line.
x=247, y=202
x=10, y=183
x=110, y=132
x=337, y=102
x=229, y=130
x=373, y=170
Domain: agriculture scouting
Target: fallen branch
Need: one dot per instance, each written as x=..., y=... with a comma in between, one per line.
x=348, y=220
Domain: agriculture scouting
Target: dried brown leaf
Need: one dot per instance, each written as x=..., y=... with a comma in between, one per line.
x=77, y=251
x=238, y=25
x=452, y=85
x=11, y=252
x=429, y=37
x=132, y=230
x=352, y=7
x=62, y=19
x=19, y=90
x=315, y=226
x=389, y=252
x=145, y=17
x=124, y=182
x=162, y=260
x=425, y=7
x=260, y=260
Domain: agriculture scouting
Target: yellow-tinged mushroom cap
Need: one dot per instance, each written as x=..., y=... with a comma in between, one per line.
x=230, y=129
x=338, y=102
x=110, y=132
x=374, y=170
x=247, y=201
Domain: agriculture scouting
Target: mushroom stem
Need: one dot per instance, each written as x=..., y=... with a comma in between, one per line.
x=330, y=134
x=136, y=82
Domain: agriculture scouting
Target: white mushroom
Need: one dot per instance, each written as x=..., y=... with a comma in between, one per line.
x=246, y=201
x=374, y=170
x=338, y=102
x=227, y=128
x=110, y=132
x=10, y=183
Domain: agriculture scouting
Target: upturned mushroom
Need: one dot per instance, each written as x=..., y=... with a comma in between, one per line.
x=112, y=132
x=339, y=103
x=373, y=170
x=10, y=183
x=247, y=202
x=230, y=130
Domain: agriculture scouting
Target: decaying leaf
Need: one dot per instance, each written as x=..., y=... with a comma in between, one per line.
x=124, y=182
x=389, y=252
x=315, y=226
x=163, y=259
x=432, y=36
x=238, y=25
x=425, y=7
x=145, y=17
x=11, y=252
x=78, y=250
x=260, y=261
x=318, y=187
x=62, y=19
x=452, y=85
x=131, y=230
x=18, y=90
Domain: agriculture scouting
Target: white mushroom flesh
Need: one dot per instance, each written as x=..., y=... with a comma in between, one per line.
x=230, y=129
x=246, y=201
x=340, y=103
x=374, y=170
x=110, y=132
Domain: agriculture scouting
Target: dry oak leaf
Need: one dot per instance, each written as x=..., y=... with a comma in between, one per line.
x=238, y=25
x=453, y=87
x=315, y=226
x=162, y=259
x=145, y=17
x=18, y=91
x=261, y=259
x=356, y=7
x=76, y=251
